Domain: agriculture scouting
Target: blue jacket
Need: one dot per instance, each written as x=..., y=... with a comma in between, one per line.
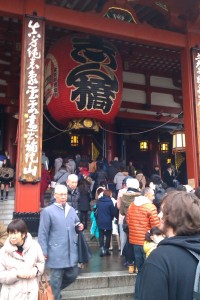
x=57, y=237
x=105, y=213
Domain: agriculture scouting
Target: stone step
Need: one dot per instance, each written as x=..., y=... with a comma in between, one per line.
x=7, y=203
x=6, y=218
x=103, y=280
x=101, y=285
x=7, y=222
x=116, y=293
x=6, y=212
x=6, y=209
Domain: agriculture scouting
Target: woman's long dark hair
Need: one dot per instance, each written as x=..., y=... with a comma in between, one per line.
x=83, y=186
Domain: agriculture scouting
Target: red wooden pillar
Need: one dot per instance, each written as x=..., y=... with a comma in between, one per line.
x=110, y=142
x=189, y=110
x=28, y=193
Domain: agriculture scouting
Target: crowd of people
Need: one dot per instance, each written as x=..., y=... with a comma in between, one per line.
x=156, y=222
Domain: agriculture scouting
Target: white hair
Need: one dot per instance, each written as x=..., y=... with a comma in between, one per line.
x=60, y=188
x=72, y=177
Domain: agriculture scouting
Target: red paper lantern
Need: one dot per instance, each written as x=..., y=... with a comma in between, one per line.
x=83, y=79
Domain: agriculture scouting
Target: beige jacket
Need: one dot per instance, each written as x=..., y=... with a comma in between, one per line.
x=3, y=234
x=14, y=288
x=126, y=201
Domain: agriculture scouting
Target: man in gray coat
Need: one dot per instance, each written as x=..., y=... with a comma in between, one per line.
x=58, y=240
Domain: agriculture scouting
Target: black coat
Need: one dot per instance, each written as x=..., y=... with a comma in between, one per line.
x=84, y=200
x=169, y=271
x=84, y=252
x=168, y=179
x=100, y=177
x=73, y=196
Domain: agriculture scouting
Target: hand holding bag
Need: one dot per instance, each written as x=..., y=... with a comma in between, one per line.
x=45, y=290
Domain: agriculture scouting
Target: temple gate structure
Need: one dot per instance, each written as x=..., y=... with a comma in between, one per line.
x=159, y=46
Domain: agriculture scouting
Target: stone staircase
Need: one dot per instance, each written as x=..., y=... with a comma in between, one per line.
x=7, y=207
x=101, y=286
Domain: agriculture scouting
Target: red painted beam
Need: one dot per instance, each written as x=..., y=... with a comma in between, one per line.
x=12, y=7
x=94, y=24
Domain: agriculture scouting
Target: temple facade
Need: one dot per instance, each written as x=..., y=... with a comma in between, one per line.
x=113, y=73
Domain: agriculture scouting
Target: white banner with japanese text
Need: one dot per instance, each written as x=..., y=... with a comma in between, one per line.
x=31, y=102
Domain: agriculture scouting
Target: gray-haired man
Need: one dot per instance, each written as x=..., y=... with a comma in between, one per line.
x=57, y=237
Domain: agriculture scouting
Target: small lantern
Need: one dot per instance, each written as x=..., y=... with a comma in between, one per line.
x=74, y=139
x=178, y=144
x=144, y=145
x=164, y=147
x=169, y=160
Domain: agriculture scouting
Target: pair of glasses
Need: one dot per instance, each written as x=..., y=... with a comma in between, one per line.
x=62, y=195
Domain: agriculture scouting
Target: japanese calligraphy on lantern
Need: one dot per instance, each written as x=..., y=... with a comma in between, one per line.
x=94, y=80
x=32, y=102
x=83, y=78
x=196, y=70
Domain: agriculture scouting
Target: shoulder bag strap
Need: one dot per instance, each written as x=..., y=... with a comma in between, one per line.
x=196, y=292
x=61, y=176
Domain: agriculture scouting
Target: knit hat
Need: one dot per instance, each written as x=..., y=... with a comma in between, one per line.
x=132, y=183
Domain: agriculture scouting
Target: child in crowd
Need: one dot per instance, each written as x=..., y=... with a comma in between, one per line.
x=152, y=239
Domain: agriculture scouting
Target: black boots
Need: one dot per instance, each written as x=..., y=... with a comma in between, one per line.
x=108, y=252
x=2, y=195
x=104, y=252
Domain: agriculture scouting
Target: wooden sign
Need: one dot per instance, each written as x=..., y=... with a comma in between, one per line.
x=31, y=102
x=195, y=52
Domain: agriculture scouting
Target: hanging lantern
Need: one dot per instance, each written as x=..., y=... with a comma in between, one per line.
x=83, y=79
x=178, y=144
x=74, y=140
x=144, y=145
x=164, y=147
